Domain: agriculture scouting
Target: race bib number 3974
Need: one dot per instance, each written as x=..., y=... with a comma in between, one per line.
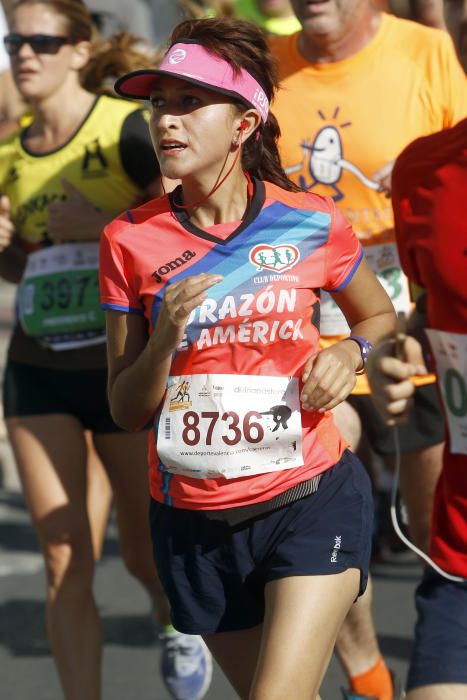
x=230, y=425
x=58, y=298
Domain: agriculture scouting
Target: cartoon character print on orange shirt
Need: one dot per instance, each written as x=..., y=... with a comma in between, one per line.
x=324, y=158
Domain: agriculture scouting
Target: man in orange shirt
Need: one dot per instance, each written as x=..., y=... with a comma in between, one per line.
x=358, y=86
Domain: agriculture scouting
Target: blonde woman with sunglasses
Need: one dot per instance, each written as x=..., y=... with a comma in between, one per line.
x=83, y=158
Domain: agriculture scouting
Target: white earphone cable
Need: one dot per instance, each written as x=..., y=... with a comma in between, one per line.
x=400, y=534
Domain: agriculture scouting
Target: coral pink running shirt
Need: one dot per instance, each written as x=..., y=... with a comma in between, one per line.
x=230, y=431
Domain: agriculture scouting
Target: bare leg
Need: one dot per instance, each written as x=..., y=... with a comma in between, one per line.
x=225, y=648
x=418, y=478
x=125, y=458
x=357, y=645
x=307, y=611
x=51, y=455
x=439, y=692
x=349, y=424
x=99, y=497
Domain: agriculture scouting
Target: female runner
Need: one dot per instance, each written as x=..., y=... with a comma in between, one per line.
x=81, y=161
x=261, y=519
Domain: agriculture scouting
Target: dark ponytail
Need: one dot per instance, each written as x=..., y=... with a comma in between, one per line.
x=261, y=157
x=244, y=45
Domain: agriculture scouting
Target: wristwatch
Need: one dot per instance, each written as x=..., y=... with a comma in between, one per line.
x=365, y=348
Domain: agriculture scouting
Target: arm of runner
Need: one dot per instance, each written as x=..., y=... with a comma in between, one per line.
x=390, y=378
x=138, y=158
x=138, y=367
x=7, y=227
x=12, y=257
x=75, y=218
x=329, y=376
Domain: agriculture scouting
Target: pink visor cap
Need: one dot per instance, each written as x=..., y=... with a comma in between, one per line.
x=190, y=61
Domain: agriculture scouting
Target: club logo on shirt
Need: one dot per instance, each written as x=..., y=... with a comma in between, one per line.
x=172, y=265
x=277, y=258
x=11, y=177
x=94, y=162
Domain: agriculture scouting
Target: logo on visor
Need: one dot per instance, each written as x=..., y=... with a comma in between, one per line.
x=261, y=101
x=177, y=56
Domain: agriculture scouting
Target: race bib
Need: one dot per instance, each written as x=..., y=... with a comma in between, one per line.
x=384, y=261
x=450, y=351
x=58, y=298
x=229, y=425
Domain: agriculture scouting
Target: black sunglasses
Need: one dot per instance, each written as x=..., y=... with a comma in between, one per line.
x=39, y=43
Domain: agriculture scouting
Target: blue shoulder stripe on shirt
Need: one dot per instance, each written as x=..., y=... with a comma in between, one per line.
x=125, y=309
x=354, y=269
x=277, y=224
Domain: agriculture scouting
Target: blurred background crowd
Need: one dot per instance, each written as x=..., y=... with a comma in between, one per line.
x=152, y=21
x=138, y=31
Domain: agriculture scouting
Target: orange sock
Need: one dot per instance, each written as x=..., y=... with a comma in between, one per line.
x=376, y=682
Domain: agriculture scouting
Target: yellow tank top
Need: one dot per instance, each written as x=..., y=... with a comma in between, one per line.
x=91, y=161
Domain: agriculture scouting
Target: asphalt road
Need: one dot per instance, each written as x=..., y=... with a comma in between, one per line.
x=131, y=650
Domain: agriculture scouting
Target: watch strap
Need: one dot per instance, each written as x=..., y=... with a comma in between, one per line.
x=365, y=348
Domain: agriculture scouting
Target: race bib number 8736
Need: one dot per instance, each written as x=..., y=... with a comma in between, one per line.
x=230, y=425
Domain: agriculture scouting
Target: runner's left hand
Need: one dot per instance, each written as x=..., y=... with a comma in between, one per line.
x=329, y=376
x=75, y=218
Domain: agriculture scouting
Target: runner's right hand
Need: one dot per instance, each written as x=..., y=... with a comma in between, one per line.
x=390, y=378
x=179, y=301
x=7, y=228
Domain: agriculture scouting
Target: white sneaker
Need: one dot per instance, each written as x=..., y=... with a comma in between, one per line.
x=186, y=665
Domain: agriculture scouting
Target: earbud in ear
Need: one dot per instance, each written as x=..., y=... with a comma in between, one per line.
x=243, y=124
